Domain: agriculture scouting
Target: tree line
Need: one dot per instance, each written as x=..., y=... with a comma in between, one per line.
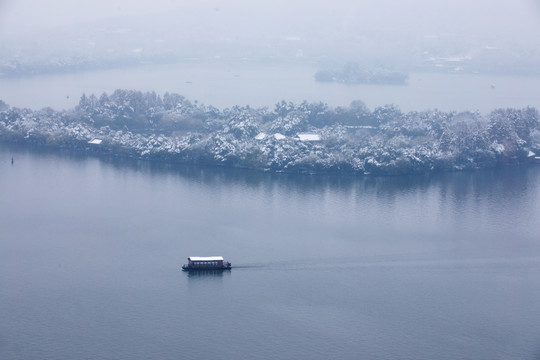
x=384, y=140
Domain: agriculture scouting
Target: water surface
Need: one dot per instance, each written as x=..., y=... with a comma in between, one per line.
x=422, y=267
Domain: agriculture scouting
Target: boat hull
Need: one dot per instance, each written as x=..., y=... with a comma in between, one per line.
x=205, y=268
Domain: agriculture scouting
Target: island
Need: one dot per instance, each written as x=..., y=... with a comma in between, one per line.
x=303, y=138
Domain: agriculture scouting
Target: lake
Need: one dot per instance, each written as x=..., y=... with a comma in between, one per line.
x=417, y=267
x=225, y=84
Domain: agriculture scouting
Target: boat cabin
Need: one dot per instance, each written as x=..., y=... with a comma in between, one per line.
x=206, y=263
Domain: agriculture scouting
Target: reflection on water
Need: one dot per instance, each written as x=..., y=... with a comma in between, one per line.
x=207, y=273
x=515, y=186
x=448, y=194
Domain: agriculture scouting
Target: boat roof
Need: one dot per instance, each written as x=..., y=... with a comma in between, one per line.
x=207, y=258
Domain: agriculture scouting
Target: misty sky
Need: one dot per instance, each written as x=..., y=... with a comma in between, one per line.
x=391, y=33
x=518, y=18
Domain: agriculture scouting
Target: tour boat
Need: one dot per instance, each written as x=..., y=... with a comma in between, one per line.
x=206, y=263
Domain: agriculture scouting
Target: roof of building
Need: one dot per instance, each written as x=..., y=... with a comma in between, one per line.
x=309, y=137
x=207, y=258
x=260, y=136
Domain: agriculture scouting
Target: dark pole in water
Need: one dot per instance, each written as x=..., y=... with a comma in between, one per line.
x=12, y=160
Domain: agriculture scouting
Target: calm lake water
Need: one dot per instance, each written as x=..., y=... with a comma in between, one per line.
x=224, y=84
x=421, y=267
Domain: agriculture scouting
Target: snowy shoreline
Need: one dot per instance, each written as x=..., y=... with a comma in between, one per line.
x=305, y=138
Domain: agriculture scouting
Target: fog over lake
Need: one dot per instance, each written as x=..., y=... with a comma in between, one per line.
x=259, y=85
x=226, y=53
